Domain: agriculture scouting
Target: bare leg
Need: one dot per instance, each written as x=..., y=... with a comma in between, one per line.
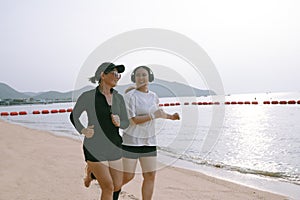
x=148, y=185
x=88, y=176
x=103, y=176
x=148, y=165
x=129, y=166
x=116, y=171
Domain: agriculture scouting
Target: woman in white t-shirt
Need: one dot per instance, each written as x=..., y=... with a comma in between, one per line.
x=139, y=139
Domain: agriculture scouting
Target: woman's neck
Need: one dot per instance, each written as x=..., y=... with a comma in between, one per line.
x=143, y=88
x=104, y=89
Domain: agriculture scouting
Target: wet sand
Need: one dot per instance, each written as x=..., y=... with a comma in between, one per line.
x=38, y=165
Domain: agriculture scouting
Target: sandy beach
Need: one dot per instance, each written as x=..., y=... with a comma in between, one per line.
x=38, y=165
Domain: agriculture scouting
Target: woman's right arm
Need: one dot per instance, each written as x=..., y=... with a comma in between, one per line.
x=130, y=101
x=76, y=113
x=160, y=113
x=141, y=119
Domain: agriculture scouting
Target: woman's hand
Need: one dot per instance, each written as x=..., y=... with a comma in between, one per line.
x=175, y=116
x=115, y=120
x=88, y=132
x=160, y=113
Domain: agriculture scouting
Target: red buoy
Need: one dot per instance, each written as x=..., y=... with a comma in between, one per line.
x=4, y=113
x=282, y=102
x=247, y=102
x=166, y=104
x=69, y=109
x=62, y=110
x=291, y=102
x=36, y=112
x=186, y=103
x=298, y=102
x=14, y=113
x=274, y=102
x=45, y=111
x=254, y=102
x=54, y=111
x=22, y=113
x=267, y=102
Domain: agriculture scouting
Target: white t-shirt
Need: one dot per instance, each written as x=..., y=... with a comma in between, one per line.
x=140, y=103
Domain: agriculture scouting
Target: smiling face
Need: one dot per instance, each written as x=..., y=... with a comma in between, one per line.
x=141, y=77
x=111, y=78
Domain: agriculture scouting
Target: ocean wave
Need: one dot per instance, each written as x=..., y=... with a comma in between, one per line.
x=282, y=176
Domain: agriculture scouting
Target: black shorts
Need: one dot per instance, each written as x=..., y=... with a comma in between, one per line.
x=135, y=152
x=113, y=154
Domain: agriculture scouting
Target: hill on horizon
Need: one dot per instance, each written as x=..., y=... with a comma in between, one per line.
x=7, y=92
x=161, y=87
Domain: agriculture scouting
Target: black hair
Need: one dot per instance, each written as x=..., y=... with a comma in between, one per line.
x=97, y=76
x=150, y=73
x=93, y=79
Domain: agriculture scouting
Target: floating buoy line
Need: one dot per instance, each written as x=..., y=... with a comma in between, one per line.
x=36, y=112
x=281, y=102
x=200, y=103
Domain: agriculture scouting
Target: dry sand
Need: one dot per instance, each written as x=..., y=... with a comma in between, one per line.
x=36, y=165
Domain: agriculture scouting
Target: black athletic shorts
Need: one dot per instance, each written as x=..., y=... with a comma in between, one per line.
x=113, y=154
x=135, y=152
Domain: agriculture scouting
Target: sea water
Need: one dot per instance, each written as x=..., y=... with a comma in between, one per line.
x=260, y=141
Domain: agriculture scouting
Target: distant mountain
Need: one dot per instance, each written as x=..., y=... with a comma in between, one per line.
x=53, y=95
x=62, y=95
x=170, y=89
x=7, y=92
x=32, y=94
x=160, y=87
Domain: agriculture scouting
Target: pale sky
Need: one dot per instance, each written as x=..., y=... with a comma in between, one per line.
x=254, y=44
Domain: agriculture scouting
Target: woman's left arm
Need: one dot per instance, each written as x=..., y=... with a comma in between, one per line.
x=124, y=121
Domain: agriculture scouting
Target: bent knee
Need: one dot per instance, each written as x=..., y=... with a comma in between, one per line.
x=149, y=175
x=106, y=186
x=127, y=177
x=118, y=186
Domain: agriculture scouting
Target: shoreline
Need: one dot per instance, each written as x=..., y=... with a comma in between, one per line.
x=40, y=165
x=267, y=184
